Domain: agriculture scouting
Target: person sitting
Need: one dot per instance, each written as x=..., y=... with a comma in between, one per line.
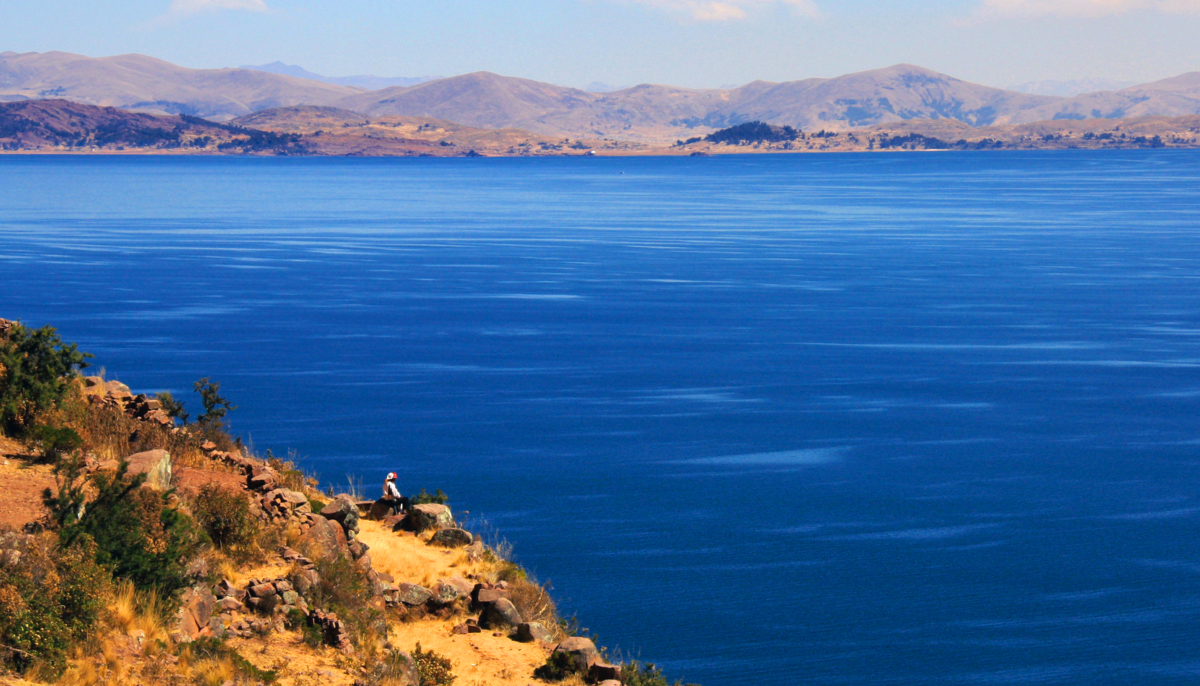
x=397, y=504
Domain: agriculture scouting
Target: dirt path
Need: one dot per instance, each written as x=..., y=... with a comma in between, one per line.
x=21, y=485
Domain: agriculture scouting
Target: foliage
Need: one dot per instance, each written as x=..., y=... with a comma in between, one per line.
x=312, y=634
x=753, y=132
x=432, y=668
x=346, y=590
x=215, y=407
x=424, y=498
x=173, y=407
x=636, y=673
x=137, y=535
x=558, y=666
x=214, y=648
x=49, y=598
x=224, y=514
x=35, y=369
x=55, y=443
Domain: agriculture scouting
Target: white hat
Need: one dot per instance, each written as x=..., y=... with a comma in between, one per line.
x=391, y=476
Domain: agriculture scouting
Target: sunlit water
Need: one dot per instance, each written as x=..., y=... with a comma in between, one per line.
x=863, y=419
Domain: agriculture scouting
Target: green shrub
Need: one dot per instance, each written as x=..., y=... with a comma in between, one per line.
x=215, y=406
x=54, y=443
x=224, y=514
x=432, y=669
x=423, y=498
x=346, y=590
x=137, y=535
x=49, y=599
x=558, y=666
x=636, y=673
x=35, y=371
x=173, y=407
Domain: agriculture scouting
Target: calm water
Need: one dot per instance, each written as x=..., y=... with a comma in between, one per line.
x=903, y=419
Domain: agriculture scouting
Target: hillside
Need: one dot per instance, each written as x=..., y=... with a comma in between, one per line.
x=162, y=551
x=1173, y=97
x=144, y=83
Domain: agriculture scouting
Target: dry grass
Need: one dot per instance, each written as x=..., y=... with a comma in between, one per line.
x=132, y=611
x=478, y=659
x=409, y=559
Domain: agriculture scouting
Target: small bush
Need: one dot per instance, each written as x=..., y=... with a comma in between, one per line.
x=214, y=649
x=424, y=498
x=432, y=668
x=558, y=666
x=49, y=599
x=645, y=674
x=54, y=443
x=346, y=590
x=36, y=368
x=224, y=514
x=137, y=535
x=215, y=406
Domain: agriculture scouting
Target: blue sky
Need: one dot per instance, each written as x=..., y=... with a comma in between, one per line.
x=701, y=43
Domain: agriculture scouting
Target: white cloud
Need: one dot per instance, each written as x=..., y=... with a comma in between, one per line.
x=195, y=6
x=725, y=10
x=1083, y=8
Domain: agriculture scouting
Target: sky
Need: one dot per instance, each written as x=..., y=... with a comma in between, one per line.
x=697, y=43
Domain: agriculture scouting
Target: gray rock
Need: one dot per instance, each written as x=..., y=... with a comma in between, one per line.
x=452, y=538
x=343, y=511
x=528, y=632
x=582, y=651
x=430, y=516
x=499, y=614
x=412, y=594
x=155, y=464
x=229, y=604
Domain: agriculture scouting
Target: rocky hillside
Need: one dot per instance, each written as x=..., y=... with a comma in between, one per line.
x=162, y=552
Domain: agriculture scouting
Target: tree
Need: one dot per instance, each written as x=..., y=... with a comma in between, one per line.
x=215, y=407
x=173, y=407
x=35, y=370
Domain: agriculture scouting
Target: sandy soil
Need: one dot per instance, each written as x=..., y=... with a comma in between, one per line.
x=21, y=485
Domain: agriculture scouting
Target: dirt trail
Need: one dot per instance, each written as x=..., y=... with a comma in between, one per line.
x=21, y=485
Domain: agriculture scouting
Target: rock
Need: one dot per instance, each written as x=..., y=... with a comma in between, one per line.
x=464, y=587
x=282, y=586
x=223, y=588
x=397, y=523
x=528, y=632
x=305, y=579
x=118, y=390
x=378, y=510
x=208, y=446
x=262, y=590
x=581, y=650
x=343, y=511
x=357, y=548
x=412, y=594
x=445, y=593
x=499, y=614
x=291, y=598
x=230, y=605
x=155, y=464
x=430, y=516
x=324, y=538
x=262, y=479
x=452, y=538
x=475, y=551
x=486, y=596
x=603, y=671
x=195, y=610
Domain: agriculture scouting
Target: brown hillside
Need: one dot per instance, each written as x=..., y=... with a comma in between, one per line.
x=153, y=85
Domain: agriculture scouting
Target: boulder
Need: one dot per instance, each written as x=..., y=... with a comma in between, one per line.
x=412, y=594
x=343, y=511
x=445, y=592
x=262, y=479
x=305, y=579
x=155, y=464
x=192, y=617
x=378, y=510
x=499, y=614
x=262, y=590
x=601, y=670
x=324, y=539
x=528, y=632
x=229, y=604
x=581, y=650
x=430, y=516
x=208, y=446
x=357, y=548
x=397, y=522
x=452, y=538
x=475, y=551
x=487, y=596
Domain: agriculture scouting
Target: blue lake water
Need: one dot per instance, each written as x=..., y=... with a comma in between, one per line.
x=820, y=419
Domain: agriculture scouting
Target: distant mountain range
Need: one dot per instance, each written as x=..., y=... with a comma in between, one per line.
x=366, y=82
x=1068, y=89
x=642, y=113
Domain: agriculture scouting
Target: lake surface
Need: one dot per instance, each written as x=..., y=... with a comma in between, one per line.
x=813, y=419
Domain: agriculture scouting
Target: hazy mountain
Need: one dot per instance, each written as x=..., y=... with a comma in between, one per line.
x=1067, y=89
x=144, y=83
x=650, y=111
x=1173, y=97
x=365, y=81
